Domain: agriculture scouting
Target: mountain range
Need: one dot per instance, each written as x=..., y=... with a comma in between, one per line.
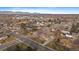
x=18, y=12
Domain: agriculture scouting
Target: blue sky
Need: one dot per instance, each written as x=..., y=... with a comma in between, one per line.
x=49, y=10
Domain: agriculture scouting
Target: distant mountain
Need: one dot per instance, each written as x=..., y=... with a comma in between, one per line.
x=18, y=12
x=6, y=12
x=22, y=12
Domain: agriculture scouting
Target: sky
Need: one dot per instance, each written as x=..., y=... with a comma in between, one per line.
x=45, y=10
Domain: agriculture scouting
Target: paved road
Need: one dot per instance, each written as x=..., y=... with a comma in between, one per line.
x=33, y=44
x=9, y=44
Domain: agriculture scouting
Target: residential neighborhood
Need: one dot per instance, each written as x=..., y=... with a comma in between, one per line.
x=58, y=32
